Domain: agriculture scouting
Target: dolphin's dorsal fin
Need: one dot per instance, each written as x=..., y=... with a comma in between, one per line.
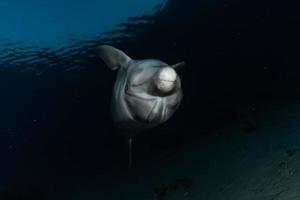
x=113, y=57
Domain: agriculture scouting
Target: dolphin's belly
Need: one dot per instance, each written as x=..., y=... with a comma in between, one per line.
x=142, y=108
x=151, y=109
x=119, y=108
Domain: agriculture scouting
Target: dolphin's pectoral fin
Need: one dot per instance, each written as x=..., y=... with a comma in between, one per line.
x=179, y=66
x=113, y=58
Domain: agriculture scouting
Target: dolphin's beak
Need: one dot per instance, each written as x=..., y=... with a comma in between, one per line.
x=165, y=79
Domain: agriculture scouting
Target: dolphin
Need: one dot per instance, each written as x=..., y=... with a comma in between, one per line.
x=146, y=92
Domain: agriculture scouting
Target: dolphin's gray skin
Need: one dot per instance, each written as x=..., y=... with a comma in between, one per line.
x=146, y=92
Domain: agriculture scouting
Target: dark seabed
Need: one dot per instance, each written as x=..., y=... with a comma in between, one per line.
x=236, y=135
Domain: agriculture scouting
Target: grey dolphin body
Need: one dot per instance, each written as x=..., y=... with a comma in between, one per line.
x=146, y=92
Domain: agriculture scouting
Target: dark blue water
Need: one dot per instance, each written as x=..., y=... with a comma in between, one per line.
x=52, y=98
x=55, y=131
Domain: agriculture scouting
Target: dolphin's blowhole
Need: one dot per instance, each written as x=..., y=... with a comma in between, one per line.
x=165, y=79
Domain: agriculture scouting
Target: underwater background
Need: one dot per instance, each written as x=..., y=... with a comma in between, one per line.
x=235, y=136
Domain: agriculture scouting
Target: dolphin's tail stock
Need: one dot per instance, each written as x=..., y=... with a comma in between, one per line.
x=130, y=141
x=131, y=134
